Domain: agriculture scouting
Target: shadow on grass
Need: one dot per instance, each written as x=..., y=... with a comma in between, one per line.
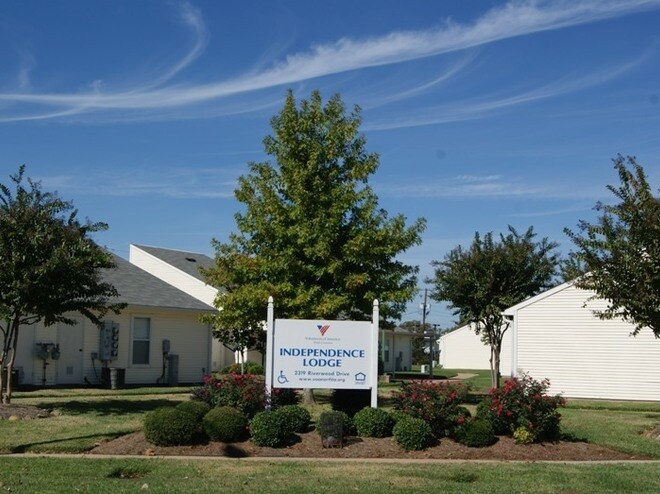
x=24, y=448
x=107, y=406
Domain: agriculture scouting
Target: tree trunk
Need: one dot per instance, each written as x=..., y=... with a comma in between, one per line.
x=10, y=367
x=308, y=396
x=495, y=350
x=2, y=384
x=7, y=334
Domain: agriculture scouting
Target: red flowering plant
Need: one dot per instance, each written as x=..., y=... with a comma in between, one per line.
x=438, y=404
x=245, y=392
x=523, y=402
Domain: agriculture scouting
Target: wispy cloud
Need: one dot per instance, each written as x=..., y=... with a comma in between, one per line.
x=514, y=19
x=462, y=111
x=486, y=187
x=553, y=212
x=176, y=183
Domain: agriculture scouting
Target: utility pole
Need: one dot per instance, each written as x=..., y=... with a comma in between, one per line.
x=435, y=335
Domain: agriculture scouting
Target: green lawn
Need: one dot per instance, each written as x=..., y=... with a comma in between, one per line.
x=94, y=475
x=85, y=417
x=618, y=425
x=82, y=418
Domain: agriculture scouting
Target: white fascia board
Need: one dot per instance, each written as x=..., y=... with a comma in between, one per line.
x=511, y=311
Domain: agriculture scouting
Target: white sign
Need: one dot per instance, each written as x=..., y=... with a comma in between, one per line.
x=322, y=354
x=302, y=353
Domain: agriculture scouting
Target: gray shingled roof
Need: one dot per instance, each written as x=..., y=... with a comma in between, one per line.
x=188, y=262
x=137, y=287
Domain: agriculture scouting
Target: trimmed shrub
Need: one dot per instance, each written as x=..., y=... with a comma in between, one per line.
x=454, y=420
x=413, y=434
x=350, y=401
x=170, y=427
x=523, y=436
x=297, y=418
x=373, y=422
x=248, y=368
x=398, y=415
x=435, y=403
x=522, y=402
x=225, y=424
x=197, y=408
x=270, y=429
x=476, y=433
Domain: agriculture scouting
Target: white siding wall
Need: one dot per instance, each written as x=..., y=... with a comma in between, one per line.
x=173, y=276
x=397, y=344
x=221, y=356
x=25, y=355
x=189, y=339
x=463, y=349
x=584, y=356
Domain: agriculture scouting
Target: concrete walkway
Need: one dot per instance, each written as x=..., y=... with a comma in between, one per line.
x=461, y=376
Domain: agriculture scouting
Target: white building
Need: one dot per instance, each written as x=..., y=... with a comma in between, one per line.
x=159, y=321
x=555, y=335
x=463, y=349
x=182, y=270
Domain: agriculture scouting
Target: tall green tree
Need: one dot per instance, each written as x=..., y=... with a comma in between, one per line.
x=311, y=233
x=49, y=266
x=481, y=281
x=621, y=251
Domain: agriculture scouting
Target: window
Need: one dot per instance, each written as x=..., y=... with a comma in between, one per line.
x=141, y=340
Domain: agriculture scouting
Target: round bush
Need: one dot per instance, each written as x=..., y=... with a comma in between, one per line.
x=297, y=418
x=398, y=415
x=484, y=412
x=522, y=435
x=225, y=424
x=454, y=420
x=413, y=434
x=269, y=429
x=170, y=427
x=373, y=422
x=476, y=434
x=197, y=408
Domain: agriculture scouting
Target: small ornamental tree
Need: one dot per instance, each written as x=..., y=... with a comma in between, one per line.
x=480, y=282
x=49, y=266
x=621, y=251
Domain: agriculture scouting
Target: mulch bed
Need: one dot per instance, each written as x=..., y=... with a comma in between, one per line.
x=308, y=445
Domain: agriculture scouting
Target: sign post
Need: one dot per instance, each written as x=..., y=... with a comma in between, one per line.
x=305, y=353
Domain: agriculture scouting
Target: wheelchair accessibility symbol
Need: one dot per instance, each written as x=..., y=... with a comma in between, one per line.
x=282, y=378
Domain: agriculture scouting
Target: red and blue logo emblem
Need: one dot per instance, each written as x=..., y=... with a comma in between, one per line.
x=323, y=329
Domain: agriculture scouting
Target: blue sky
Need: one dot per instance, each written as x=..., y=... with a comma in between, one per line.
x=485, y=114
